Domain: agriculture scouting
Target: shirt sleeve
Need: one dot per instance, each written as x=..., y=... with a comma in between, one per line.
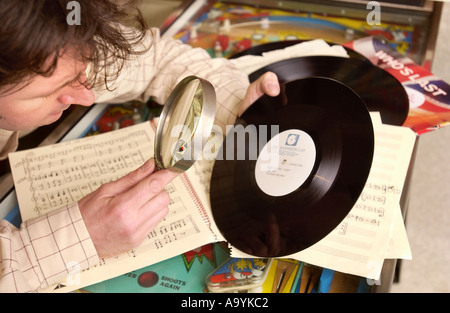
x=165, y=63
x=9, y=141
x=44, y=251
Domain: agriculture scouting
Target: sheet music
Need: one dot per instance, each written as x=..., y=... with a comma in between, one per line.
x=48, y=178
x=360, y=243
x=399, y=247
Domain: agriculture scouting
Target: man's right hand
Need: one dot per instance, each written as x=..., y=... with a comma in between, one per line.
x=119, y=215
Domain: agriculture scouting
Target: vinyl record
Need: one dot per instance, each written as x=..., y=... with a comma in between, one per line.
x=377, y=88
x=288, y=198
x=260, y=49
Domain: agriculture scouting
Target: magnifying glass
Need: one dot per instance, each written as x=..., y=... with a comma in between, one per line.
x=185, y=124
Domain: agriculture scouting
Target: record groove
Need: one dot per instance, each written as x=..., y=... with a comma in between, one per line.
x=338, y=123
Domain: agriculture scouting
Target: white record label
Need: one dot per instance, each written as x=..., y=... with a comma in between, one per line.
x=285, y=163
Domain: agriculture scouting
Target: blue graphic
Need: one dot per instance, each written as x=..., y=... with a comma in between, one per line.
x=292, y=140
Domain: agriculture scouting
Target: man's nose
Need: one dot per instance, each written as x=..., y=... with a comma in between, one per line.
x=79, y=95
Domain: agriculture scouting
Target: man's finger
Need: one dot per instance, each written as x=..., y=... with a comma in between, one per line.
x=128, y=181
x=151, y=216
x=147, y=189
x=266, y=84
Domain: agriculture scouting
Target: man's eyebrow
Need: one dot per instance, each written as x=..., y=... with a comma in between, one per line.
x=77, y=78
x=68, y=82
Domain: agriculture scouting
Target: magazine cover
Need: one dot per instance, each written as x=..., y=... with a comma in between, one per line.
x=428, y=94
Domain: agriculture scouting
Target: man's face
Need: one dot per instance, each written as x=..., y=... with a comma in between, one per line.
x=43, y=100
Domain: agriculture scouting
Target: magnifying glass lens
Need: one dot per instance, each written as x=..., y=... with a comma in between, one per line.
x=185, y=124
x=181, y=124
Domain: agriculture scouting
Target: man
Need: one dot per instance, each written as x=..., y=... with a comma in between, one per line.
x=46, y=65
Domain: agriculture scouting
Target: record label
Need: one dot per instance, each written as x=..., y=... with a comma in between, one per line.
x=285, y=163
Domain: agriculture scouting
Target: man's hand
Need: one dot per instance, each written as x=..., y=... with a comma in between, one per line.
x=120, y=215
x=267, y=84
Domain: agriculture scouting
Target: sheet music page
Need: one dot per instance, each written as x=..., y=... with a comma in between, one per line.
x=48, y=178
x=399, y=247
x=359, y=244
x=201, y=177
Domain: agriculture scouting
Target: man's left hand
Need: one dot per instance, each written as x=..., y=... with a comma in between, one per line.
x=267, y=84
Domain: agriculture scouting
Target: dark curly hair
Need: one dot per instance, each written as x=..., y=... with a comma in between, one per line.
x=35, y=33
